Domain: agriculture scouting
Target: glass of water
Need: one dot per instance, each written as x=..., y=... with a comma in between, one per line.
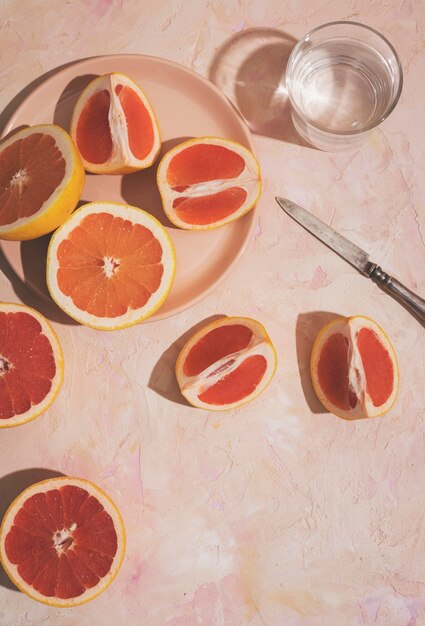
x=343, y=79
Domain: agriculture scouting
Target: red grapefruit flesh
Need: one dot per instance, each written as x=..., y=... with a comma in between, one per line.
x=31, y=364
x=62, y=541
x=110, y=265
x=225, y=364
x=208, y=182
x=114, y=126
x=41, y=180
x=354, y=368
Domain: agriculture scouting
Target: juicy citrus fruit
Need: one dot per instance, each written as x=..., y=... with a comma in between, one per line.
x=208, y=182
x=62, y=541
x=41, y=180
x=114, y=126
x=110, y=265
x=354, y=368
x=31, y=364
x=225, y=364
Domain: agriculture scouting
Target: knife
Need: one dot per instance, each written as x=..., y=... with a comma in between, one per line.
x=357, y=257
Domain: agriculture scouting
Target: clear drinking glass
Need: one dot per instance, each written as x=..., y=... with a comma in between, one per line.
x=343, y=79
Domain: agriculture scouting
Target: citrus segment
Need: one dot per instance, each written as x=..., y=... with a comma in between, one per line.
x=354, y=368
x=114, y=126
x=225, y=364
x=62, y=541
x=110, y=265
x=208, y=182
x=41, y=180
x=31, y=364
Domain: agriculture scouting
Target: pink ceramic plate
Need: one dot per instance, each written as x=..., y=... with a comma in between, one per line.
x=186, y=105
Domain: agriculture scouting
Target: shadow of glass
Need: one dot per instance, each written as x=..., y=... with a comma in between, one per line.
x=11, y=486
x=308, y=327
x=68, y=99
x=141, y=190
x=250, y=69
x=163, y=378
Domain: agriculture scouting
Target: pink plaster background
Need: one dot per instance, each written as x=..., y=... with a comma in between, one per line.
x=277, y=514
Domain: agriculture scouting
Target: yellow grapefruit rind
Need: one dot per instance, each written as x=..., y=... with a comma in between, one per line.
x=314, y=360
x=48, y=330
x=167, y=195
x=65, y=302
x=125, y=165
x=258, y=330
x=109, y=506
x=65, y=198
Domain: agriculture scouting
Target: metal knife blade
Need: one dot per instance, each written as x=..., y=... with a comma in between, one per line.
x=339, y=244
x=357, y=257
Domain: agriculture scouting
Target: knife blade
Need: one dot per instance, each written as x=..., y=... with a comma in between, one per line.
x=354, y=255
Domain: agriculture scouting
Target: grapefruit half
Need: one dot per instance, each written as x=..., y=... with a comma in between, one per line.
x=110, y=265
x=114, y=126
x=354, y=368
x=62, y=541
x=41, y=180
x=226, y=364
x=31, y=364
x=207, y=182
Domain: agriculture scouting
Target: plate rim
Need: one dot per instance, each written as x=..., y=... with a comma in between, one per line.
x=252, y=215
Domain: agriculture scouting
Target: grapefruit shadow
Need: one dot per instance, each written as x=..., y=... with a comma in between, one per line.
x=68, y=99
x=140, y=189
x=307, y=328
x=163, y=378
x=250, y=68
x=11, y=486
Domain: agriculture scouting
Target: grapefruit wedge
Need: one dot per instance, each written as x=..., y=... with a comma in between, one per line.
x=62, y=541
x=114, y=126
x=354, y=368
x=41, y=180
x=207, y=182
x=31, y=364
x=110, y=265
x=226, y=364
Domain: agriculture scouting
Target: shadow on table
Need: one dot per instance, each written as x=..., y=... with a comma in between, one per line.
x=140, y=188
x=163, y=378
x=250, y=69
x=308, y=327
x=11, y=486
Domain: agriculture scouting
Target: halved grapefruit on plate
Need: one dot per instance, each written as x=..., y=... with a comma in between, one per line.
x=62, y=541
x=354, y=368
x=227, y=363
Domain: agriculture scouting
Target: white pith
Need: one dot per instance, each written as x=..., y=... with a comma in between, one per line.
x=42, y=487
x=121, y=154
x=20, y=178
x=132, y=316
x=35, y=409
x=349, y=328
x=249, y=179
x=193, y=386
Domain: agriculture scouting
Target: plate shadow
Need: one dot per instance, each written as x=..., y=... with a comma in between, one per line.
x=140, y=189
x=11, y=486
x=163, y=378
x=250, y=68
x=307, y=328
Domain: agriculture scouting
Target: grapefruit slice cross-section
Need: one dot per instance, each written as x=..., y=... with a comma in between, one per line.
x=31, y=364
x=110, y=265
x=208, y=182
x=114, y=126
x=226, y=364
x=41, y=180
x=62, y=541
x=354, y=368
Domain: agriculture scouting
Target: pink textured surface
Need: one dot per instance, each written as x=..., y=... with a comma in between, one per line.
x=278, y=514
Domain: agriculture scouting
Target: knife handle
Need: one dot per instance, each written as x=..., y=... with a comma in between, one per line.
x=397, y=289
